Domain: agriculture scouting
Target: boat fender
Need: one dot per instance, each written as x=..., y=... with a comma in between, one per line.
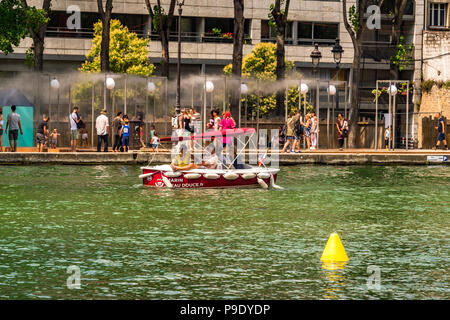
x=248, y=176
x=167, y=182
x=262, y=183
x=273, y=185
x=230, y=176
x=175, y=174
x=264, y=175
x=192, y=176
x=211, y=176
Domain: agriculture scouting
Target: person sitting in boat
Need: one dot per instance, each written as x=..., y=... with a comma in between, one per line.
x=210, y=158
x=182, y=161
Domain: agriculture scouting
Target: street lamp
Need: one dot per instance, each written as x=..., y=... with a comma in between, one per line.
x=54, y=83
x=110, y=83
x=337, y=53
x=244, y=91
x=316, y=55
x=180, y=4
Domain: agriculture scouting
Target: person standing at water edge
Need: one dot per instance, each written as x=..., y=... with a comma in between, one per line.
x=102, y=126
x=314, y=130
x=14, y=125
x=290, y=126
x=42, y=133
x=387, y=137
x=125, y=133
x=342, y=129
x=74, y=120
x=116, y=127
x=441, y=132
x=1, y=130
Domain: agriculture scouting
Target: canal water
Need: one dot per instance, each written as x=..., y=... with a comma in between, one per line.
x=131, y=242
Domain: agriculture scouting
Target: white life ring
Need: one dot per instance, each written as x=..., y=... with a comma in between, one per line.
x=248, y=176
x=192, y=176
x=230, y=176
x=211, y=176
x=264, y=175
x=170, y=174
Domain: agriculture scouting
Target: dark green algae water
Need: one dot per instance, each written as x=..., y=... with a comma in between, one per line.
x=132, y=242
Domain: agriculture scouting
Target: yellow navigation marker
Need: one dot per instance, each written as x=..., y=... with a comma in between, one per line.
x=334, y=250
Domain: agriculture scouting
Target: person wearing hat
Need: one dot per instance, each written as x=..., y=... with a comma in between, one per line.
x=102, y=126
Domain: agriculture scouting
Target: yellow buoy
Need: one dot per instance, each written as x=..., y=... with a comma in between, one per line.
x=334, y=250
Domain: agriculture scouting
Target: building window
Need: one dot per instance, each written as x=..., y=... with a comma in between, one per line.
x=438, y=14
x=269, y=33
x=310, y=32
x=221, y=30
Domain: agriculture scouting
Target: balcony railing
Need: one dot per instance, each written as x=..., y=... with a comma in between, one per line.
x=185, y=36
x=301, y=41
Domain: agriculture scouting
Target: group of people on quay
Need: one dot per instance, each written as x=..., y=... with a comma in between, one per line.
x=299, y=130
x=120, y=131
x=304, y=129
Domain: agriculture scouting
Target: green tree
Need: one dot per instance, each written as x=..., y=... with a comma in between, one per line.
x=16, y=23
x=127, y=52
x=261, y=64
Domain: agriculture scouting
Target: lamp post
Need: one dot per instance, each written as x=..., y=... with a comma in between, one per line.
x=316, y=55
x=244, y=91
x=337, y=55
x=392, y=91
x=180, y=4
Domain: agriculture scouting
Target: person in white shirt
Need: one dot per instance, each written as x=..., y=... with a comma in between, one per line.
x=74, y=120
x=102, y=126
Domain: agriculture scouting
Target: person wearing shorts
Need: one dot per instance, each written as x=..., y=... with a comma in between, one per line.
x=41, y=133
x=441, y=132
x=74, y=136
x=125, y=132
x=14, y=126
x=290, y=126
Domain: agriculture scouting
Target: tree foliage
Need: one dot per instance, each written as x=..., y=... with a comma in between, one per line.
x=128, y=53
x=404, y=55
x=261, y=64
x=16, y=22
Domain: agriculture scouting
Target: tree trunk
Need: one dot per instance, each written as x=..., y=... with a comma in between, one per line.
x=164, y=54
x=280, y=22
x=354, y=108
x=238, y=44
x=163, y=29
x=281, y=66
x=39, y=37
x=356, y=36
x=106, y=24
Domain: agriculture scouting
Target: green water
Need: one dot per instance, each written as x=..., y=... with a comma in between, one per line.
x=132, y=242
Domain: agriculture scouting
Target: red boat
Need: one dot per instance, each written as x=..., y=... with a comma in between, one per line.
x=164, y=177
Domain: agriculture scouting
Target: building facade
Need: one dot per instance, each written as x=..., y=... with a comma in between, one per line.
x=207, y=46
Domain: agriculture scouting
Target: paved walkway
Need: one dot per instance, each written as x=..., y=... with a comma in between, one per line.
x=346, y=157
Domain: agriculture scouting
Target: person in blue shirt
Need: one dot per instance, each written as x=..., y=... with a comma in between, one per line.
x=441, y=132
x=125, y=132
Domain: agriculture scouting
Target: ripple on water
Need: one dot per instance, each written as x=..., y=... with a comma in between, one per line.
x=135, y=242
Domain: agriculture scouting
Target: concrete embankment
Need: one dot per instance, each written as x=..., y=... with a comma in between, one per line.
x=143, y=158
